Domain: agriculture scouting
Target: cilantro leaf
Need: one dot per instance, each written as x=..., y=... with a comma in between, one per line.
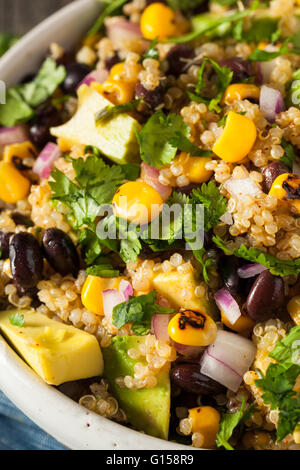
x=185, y=5
x=154, y=138
x=110, y=112
x=152, y=52
x=109, y=10
x=6, y=42
x=279, y=381
x=15, y=110
x=289, y=154
x=215, y=205
x=205, y=262
x=49, y=77
x=17, y=319
x=228, y=424
x=276, y=266
x=182, y=143
x=264, y=56
x=224, y=78
x=102, y=268
x=262, y=29
x=139, y=311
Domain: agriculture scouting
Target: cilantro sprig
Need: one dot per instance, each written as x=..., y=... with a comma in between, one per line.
x=276, y=266
x=110, y=112
x=279, y=381
x=17, y=319
x=260, y=55
x=289, y=154
x=138, y=310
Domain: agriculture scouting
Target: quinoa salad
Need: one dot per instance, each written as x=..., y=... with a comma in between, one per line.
x=149, y=220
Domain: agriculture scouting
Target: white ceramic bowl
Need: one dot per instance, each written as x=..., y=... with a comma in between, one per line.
x=66, y=421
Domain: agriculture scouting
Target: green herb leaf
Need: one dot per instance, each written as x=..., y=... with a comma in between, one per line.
x=139, y=311
x=15, y=110
x=264, y=56
x=228, y=424
x=154, y=139
x=289, y=154
x=224, y=75
x=276, y=266
x=152, y=52
x=6, y=42
x=185, y=5
x=17, y=319
x=205, y=262
x=103, y=268
x=181, y=142
x=110, y=112
x=111, y=8
x=215, y=205
x=279, y=381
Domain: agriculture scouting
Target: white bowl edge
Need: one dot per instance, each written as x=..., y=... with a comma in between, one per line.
x=58, y=415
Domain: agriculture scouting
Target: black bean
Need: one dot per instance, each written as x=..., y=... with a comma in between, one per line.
x=26, y=260
x=175, y=56
x=78, y=388
x=152, y=97
x=21, y=219
x=60, y=252
x=46, y=117
x=111, y=61
x=187, y=189
x=190, y=379
x=4, y=244
x=271, y=172
x=228, y=267
x=241, y=68
x=266, y=297
x=75, y=74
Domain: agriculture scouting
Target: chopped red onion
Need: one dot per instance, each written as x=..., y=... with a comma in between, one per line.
x=251, y=270
x=271, y=102
x=241, y=186
x=227, y=359
x=150, y=175
x=98, y=76
x=111, y=298
x=13, y=135
x=125, y=288
x=159, y=326
x=119, y=30
x=45, y=161
x=227, y=218
x=189, y=351
x=228, y=305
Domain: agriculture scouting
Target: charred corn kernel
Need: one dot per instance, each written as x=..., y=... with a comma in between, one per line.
x=158, y=21
x=194, y=169
x=65, y=145
x=117, y=91
x=241, y=91
x=13, y=185
x=293, y=308
x=244, y=325
x=192, y=328
x=137, y=202
x=205, y=420
x=287, y=187
x=237, y=138
x=118, y=70
x=23, y=150
x=93, y=287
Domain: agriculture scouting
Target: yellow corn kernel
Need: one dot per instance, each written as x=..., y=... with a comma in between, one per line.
x=65, y=145
x=137, y=202
x=241, y=91
x=296, y=436
x=118, y=70
x=23, y=150
x=194, y=169
x=192, y=328
x=293, y=308
x=244, y=325
x=206, y=421
x=237, y=138
x=91, y=294
x=158, y=21
x=13, y=185
x=262, y=45
x=286, y=187
x=116, y=91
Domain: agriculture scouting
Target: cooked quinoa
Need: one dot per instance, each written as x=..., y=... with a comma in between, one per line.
x=205, y=112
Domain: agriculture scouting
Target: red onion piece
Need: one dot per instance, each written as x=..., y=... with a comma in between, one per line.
x=111, y=298
x=150, y=175
x=13, y=135
x=228, y=305
x=188, y=351
x=227, y=359
x=271, y=102
x=159, y=326
x=120, y=30
x=240, y=186
x=98, y=76
x=125, y=289
x=250, y=270
x=45, y=161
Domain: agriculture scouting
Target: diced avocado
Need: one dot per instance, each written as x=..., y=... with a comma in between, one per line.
x=116, y=139
x=147, y=409
x=179, y=290
x=57, y=352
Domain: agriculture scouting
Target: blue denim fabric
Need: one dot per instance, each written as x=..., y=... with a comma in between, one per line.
x=17, y=432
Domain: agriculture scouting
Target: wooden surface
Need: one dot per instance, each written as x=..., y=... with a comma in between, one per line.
x=18, y=16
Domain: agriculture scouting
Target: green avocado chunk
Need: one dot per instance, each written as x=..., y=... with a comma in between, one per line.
x=147, y=409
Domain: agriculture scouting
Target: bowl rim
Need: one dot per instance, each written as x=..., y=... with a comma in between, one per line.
x=69, y=423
